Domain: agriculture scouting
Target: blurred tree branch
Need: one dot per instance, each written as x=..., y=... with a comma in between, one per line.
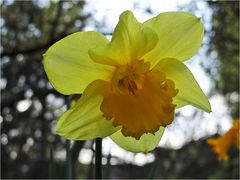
x=56, y=20
x=37, y=48
x=31, y=50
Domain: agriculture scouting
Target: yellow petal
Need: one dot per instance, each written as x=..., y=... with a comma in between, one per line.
x=146, y=143
x=68, y=65
x=84, y=120
x=180, y=35
x=130, y=41
x=190, y=92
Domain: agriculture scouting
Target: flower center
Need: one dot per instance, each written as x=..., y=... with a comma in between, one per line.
x=140, y=99
x=128, y=79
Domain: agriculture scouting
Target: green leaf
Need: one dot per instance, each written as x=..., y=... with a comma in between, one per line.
x=52, y=168
x=107, y=169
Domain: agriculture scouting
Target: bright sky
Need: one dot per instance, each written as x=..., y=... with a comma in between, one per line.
x=109, y=10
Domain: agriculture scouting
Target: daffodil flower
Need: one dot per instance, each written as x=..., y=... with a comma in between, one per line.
x=131, y=85
x=222, y=144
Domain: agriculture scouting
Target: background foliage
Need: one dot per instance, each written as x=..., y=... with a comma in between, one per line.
x=27, y=134
x=225, y=41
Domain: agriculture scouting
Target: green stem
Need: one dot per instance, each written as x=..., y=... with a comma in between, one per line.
x=68, y=163
x=51, y=165
x=98, y=159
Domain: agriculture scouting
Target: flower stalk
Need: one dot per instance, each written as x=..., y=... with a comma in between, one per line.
x=98, y=159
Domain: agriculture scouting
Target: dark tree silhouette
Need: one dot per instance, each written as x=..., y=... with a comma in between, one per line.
x=29, y=104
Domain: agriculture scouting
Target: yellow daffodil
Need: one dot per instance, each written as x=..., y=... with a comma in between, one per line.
x=221, y=145
x=131, y=85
